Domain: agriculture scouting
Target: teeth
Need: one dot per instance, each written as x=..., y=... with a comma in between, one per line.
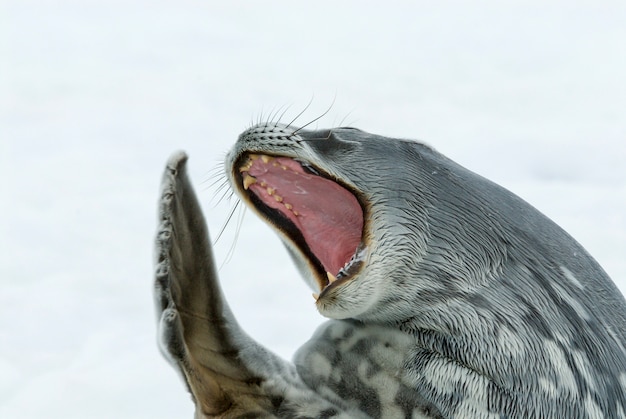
x=245, y=167
x=248, y=164
x=266, y=159
x=316, y=296
x=331, y=278
x=251, y=180
x=248, y=180
x=357, y=257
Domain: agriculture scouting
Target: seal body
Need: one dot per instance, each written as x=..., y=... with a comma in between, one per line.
x=451, y=296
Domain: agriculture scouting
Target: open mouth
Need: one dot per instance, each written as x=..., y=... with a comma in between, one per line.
x=321, y=217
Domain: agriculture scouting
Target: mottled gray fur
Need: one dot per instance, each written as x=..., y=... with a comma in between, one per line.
x=470, y=302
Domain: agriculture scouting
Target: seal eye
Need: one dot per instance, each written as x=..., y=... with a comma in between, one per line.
x=319, y=215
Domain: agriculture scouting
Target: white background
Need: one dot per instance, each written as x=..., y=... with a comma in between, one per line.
x=96, y=94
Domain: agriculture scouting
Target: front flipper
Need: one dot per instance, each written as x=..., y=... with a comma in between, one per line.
x=227, y=373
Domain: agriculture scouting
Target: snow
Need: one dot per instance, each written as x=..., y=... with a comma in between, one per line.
x=95, y=95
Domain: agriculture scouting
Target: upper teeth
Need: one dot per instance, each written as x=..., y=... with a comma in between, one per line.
x=248, y=180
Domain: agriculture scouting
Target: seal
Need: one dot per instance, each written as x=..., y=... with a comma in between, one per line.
x=448, y=295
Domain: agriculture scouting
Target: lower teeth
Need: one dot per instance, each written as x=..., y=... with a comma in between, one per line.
x=358, y=256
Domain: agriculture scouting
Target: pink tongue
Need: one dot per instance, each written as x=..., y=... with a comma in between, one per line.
x=328, y=216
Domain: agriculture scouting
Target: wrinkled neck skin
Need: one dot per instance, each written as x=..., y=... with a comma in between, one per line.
x=481, y=281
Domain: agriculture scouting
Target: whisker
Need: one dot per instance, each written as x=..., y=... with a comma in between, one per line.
x=230, y=216
x=316, y=119
x=345, y=117
x=222, y=180
x=272, y=114
x=224, y=193
x=304, y=140
x=282, y=114
x=218, y=165
x=231, y=251
x=216, y=172
x=213, y=178
x=303, y=111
